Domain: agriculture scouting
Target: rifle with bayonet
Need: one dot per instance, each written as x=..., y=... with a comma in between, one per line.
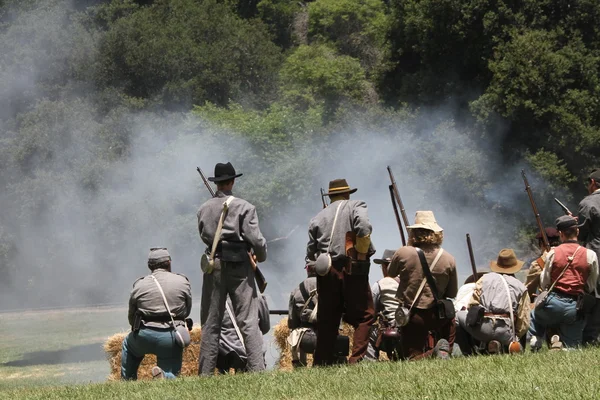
x=565, y=209
x=396, y=199
x=323, y=198
x=538, y=219
x=258, y=276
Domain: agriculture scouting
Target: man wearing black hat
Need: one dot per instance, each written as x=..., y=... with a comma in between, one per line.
x=151, y=325
x=386, y=303
x=571, y=272
x=340, y=245
x=589, y=235
x=229, y=228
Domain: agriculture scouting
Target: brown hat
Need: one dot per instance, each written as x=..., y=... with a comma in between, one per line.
x=339, y=186
x=425, y=220
x=507, y=262
x=550, y=233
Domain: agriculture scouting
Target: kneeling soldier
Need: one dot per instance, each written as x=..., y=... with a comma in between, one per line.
x=152, y=325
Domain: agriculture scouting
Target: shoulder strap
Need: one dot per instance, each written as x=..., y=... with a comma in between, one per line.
x=217, y=237
x=235, y=325
x=334, y=222
x=571, y=258
x=303, y=291
x=427, y=272
x=510, y=307
x=167, y=306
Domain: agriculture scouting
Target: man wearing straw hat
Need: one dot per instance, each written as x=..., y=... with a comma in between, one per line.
x=571, y=272
x=386, y=303
x=340, y=246
x=229, y=227
x=493, y=318
x=417, y=295
x=152, y=326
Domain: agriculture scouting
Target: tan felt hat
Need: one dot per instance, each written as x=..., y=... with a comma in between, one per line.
x=425, y=220
x=507, y=262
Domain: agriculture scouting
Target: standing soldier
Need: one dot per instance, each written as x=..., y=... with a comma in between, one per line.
x=589, y=235
x=151, y=324
x=571, y=271
x=340, y=245
x=229, y=228
x=414, y=289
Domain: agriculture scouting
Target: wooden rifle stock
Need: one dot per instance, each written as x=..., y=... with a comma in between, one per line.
x=538, y=219
x=398, y=222
x=258, y=276
x=472, y=257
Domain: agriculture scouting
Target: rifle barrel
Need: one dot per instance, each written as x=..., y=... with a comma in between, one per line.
x=535, y=211
x=278, y=312
x=323, y=198
x=472, y=257
x=397, y=215
x=397, y=197
x=210, y=189
x=565, y=209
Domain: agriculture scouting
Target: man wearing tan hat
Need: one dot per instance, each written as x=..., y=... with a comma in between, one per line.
x=229, y=228
x=571, y=272
x=416, y=293
x=493, y=318
x=340, y=247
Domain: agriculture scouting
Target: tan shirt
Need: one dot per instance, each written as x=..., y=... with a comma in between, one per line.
x=406, y=264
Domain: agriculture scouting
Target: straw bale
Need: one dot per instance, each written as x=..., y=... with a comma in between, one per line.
x=113, y=348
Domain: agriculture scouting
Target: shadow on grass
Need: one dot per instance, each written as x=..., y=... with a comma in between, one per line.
x=82, y=353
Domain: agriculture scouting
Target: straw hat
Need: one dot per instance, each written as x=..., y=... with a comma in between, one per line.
x=425, y=220
x=507, y=262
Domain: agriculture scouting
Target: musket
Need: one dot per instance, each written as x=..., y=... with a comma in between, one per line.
x=278, y=312
x=398, y=222
x=538, y=219
x=210, y=189
x=258, y=276
x=397, y=197
x=323, y=198
x=565, y=209
x=472, y=257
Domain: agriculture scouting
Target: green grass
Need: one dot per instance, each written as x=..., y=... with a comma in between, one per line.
x=561, y=375
x=56, y=347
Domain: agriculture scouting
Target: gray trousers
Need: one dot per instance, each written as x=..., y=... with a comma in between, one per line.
x=490, y=329
x=237, y=280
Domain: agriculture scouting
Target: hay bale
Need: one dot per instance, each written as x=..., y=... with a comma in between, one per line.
x=280, y=335
x=114, y=345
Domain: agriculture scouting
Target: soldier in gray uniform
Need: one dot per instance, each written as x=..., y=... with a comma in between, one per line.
x=340, y=239
x=232, y=351
x=302, y=318
x=589, y=235
x=233, y=273
x=152, y=330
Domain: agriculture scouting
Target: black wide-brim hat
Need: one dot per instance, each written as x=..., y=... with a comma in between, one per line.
x=339, y=186
x=223, y=172
x=386, y=257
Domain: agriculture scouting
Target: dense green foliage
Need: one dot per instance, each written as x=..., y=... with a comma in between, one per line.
x=453, y=92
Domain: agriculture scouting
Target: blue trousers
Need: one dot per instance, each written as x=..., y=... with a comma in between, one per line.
x=160, y=342
x=561, y=313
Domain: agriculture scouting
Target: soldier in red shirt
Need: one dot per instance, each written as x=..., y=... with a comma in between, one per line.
x=571, y=271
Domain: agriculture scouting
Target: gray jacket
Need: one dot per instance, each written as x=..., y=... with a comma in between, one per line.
x=240, y=225
x=298, y=315
x=589, y=220
x=352, y=217
x=230, y=341
x=146, y=298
